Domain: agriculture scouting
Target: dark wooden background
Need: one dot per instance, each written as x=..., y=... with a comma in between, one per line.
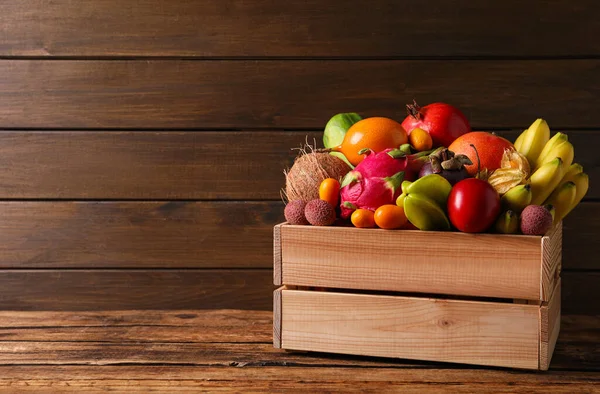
x=142, y=142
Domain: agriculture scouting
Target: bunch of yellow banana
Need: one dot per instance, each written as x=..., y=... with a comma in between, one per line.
x=555, y=179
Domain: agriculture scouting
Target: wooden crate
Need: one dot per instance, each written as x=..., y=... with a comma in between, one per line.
x=481, y=299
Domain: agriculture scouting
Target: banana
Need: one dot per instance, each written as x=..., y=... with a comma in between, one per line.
x=562, y=199
x=424, y=213
x=557, y=139
x=550, y=208
x=582, y=182
x=534, y=139
x=433, y=186
x=508, y=223
x=519, y=140
x=544, y=180
x=517, y=198
x=564, y=150
x=573, y=170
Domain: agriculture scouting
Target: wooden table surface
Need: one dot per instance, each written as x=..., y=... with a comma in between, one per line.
x=220, y=350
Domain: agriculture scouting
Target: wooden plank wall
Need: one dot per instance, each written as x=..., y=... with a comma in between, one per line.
x=142, y=142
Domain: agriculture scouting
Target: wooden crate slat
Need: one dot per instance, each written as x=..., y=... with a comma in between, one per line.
x=159, y=94
x=551, y=261
x=550, y=326
x=277, y=318
x=277, y=280
x=484, y=265
x=500, y=334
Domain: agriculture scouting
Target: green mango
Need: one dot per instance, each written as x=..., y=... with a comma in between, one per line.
x=336, y=129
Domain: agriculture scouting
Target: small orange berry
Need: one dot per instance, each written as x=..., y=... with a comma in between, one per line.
x=420, y=139
x=390, y=216
x=329, y=191
x=363, y=218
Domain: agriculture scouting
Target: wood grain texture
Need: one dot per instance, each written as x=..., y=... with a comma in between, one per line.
x=184, y=234
x=88, y=290
x=146, y=165
x=277, y=318
x=137, y=234
x=173, y=165
x=551, y=261
x=496, y=334
x=484, y=265
x=277, y=280
x=158, y=94
x=549, y=327
x=308, y=28
x=135, y=378
x=580, y=237
x=81, y=290
x=139, y=326
x=138, y=331
x=580, y=293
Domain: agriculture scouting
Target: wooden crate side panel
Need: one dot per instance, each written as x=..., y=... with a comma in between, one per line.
x=550, y=326
x=277, y=318
x=412, y=261
x=551, y=261
x=496, y=334
x=277, y=255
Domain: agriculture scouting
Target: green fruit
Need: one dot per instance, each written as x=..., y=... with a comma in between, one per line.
x=424, y=213
x=433, y=186
x=336, y=128
x=517, y=198
x=405, y=185
x=507, y=223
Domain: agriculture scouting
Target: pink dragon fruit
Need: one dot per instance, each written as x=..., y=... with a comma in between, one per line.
x=377, y=179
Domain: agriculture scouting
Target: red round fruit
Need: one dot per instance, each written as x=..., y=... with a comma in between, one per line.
x=473, y=205
x=443, y=122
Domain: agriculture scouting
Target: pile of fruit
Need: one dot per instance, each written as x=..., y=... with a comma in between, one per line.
x=431, y=172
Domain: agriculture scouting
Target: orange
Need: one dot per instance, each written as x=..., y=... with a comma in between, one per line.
x=420, y=139
x=390, y=216
x=363, y=218
x=375, y=133
x=490, y=148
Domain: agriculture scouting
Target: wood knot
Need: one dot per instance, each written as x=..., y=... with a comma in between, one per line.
x=444, y=323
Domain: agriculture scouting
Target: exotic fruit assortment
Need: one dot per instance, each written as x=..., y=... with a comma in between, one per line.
x=431, y=172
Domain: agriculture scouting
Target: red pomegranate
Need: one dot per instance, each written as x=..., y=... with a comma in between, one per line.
x=443, y=122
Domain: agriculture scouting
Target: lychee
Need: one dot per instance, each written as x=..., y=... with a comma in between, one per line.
x=535, y=220
x=294, y=212
x=319, y=213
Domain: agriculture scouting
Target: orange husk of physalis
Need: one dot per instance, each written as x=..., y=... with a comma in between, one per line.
x=514, y=170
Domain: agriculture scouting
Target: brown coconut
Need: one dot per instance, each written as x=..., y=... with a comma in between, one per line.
x=309, y=170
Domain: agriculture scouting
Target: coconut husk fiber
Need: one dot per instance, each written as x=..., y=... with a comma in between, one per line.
x=307, y=173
